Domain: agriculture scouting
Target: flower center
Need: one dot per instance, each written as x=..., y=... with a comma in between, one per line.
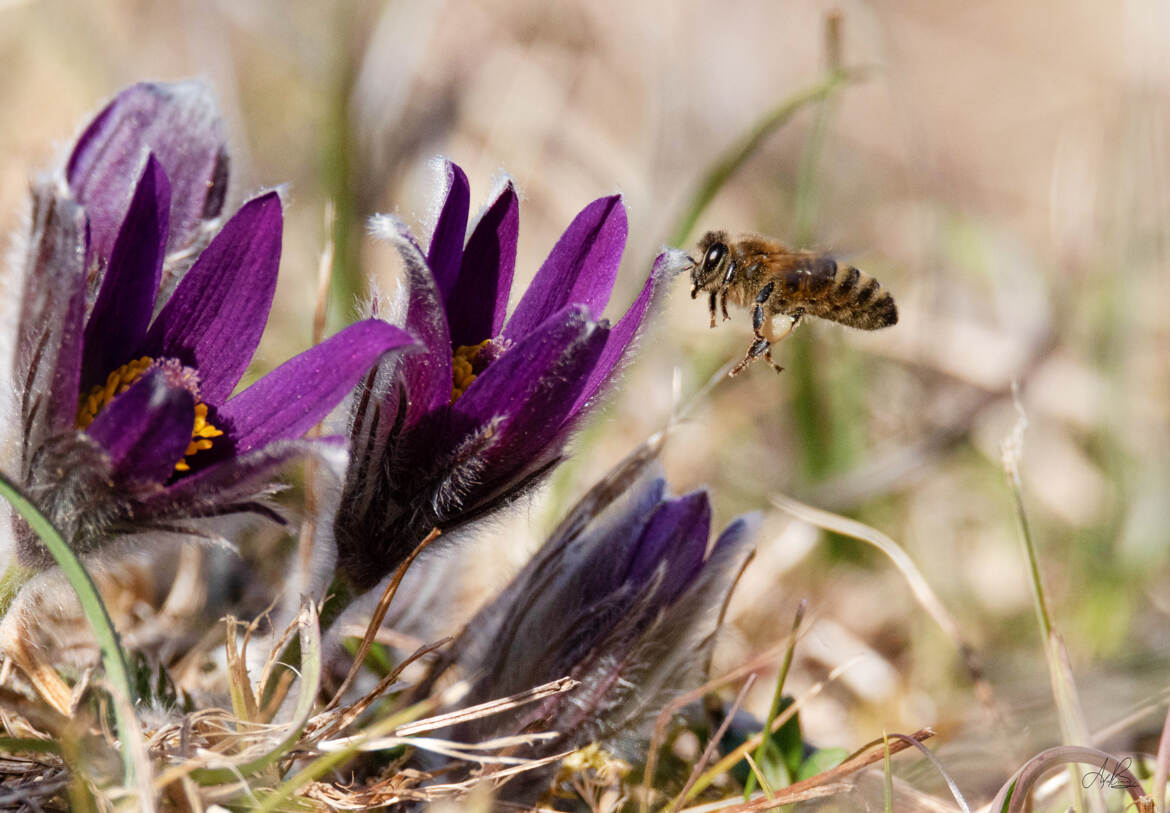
x=118, y=382
x=464, y=368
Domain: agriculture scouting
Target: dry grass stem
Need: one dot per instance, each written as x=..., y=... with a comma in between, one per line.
x=342, y=718
x=378, y=616
x=713, y=743
x=921, y=589
x=532, y=695
x=797, y=791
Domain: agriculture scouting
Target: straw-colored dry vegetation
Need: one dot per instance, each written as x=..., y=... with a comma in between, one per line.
x=1001, y=167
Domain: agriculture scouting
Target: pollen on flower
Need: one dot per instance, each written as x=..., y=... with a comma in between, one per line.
x=117, y=383
x=201, y=436
x=463, y=368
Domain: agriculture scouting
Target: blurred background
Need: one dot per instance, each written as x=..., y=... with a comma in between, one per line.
x=1002, y=168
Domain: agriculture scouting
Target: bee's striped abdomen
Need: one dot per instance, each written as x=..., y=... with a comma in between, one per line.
x=830, y=290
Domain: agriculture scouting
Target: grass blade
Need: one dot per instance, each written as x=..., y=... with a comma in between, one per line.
x=1074, y=729
x=777, y=698
x=888, y=784
x=922, y=590
x=733, y=159
x=1013, y=795
x=136, y=769
x=1162, y=766
x=951, y=784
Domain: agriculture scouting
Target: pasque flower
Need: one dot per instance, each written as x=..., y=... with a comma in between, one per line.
x=140, y=313
x=442, y=437
x=622, y=598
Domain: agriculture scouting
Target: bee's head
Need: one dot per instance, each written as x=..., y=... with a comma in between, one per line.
x=710, y=269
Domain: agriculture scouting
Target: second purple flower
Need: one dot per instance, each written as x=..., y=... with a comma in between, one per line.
x=447, y=435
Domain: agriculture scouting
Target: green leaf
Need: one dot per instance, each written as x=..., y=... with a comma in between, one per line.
x=820, y=761
x=788, y=740
x=113, y=660
x=378, y=659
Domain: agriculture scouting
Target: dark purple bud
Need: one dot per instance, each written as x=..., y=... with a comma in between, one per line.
x=179, y=124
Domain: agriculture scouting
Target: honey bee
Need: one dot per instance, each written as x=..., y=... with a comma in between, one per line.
x=761, y=273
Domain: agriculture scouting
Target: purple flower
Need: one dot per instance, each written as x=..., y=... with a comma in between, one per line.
x=138, y=320
x=620, y=598
x=442, y=437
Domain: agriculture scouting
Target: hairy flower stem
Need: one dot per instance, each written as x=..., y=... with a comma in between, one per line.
x=379, y=615
x=337, y=599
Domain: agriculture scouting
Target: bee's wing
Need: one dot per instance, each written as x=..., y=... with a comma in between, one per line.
x=782, y=263
x=808, y=281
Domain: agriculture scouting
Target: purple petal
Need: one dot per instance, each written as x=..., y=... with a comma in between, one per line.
x=581, y=268
x=231, y=485
x=734, y=535
x=146, y=429
x=427, y=374
x=531, y=387
x=477, y=305
x=675, y=538
x=518, y=372
x=450, y=230
x=299, y=393
x=612, y=544
x=49, y=338
x=720, y=567
x=179, y=123
x=125, y=303
x=624, y=332
x=214, y=319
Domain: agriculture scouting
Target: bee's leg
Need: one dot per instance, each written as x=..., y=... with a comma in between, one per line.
x=758, y=309
x=762, y=328
x=768, y=358
x=758, y=325
x=711, y=305
x=758, y=348
x=724, y=287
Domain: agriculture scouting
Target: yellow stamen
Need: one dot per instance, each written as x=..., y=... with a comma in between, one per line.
x=201, y=436
x=118, y=382
x=463, y=368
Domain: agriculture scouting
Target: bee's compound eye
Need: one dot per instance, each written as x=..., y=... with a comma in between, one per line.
x=715, y=255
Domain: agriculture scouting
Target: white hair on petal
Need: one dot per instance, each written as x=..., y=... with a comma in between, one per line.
x=440, y=184
x=391, y=229
x=676, y=261
x=500, y=182
x=11, y=295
